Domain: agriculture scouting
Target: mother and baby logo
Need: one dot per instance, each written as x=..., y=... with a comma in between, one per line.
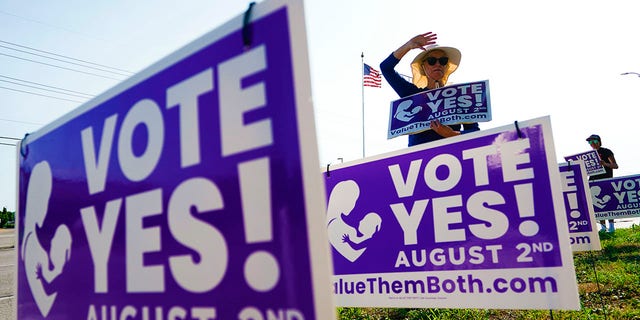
x=405, y=112
x=42, y=268
x=596, y=199
x=349, y=237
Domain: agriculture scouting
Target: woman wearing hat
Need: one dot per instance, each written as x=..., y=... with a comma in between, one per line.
x=431, y=69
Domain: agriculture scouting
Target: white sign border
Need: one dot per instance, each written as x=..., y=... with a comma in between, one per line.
x=569, y=300
x=314, y=191
x=593, y=235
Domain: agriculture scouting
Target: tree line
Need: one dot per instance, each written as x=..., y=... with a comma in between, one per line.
x=7, y=218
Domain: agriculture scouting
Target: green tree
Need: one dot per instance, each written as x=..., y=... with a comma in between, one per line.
x=6, y=216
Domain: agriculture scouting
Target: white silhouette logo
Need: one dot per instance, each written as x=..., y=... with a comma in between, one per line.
x=599, y=202
x=403, y=113
x=349, y=241
x=42, y=267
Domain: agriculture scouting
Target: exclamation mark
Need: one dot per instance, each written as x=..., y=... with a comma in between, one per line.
x=573, y=205
x=261, y=269
x=478, y=100
x=526, y=209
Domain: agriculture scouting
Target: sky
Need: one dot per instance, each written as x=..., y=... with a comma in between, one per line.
x=562, y=59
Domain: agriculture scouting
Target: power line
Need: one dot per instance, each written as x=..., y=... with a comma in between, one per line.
x=54, y=91
x=52, y=26
x=44, y=85
x=38, y=94
x=25, y=122
x=8, y=144
x=10, y=138
x=66, y=57
x=61, y=67
x=61, y=60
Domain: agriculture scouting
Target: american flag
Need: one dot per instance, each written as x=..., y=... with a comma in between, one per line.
x=371, y=77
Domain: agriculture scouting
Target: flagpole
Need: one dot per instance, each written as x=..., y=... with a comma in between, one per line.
x=362, y=77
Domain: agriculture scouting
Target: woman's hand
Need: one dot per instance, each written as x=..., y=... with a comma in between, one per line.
x=419, y=41
x=443, y=129
x=422, y=40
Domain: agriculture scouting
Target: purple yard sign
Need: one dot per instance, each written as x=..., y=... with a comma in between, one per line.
x=473, y=221
x=583, y=230
x=591, y=161
x=615, y=198
x=190, y=191
x=464, y=102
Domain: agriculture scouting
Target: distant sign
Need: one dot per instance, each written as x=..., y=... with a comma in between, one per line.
x=463, y=102
x=191, y=191
x=463, y=222
x=583, y=230
x=615, y=198
x=591, y=161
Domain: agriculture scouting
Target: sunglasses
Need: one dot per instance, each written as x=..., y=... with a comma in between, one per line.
x=432, y=61
x=594, y=141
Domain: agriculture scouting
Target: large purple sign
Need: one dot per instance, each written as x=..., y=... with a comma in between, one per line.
x=474, y=221
x=191, y=191
x=583, y=230
x=615, y=198
x=591, y=161
x=463, y=102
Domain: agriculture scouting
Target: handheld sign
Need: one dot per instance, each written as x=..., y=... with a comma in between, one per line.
x=616, y=198
x=583, y=227
x=463, y=102
x=190, y=191
x=591, y=161
x=473, y=221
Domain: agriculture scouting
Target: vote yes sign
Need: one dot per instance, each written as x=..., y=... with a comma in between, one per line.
x=473, y=221
x=583, y=229
x=187, y=192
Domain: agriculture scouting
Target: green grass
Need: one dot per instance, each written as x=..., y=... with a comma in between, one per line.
x=615, y=294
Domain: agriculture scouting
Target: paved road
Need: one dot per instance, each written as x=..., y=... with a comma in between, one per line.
x=7, y=238
x=7, y=270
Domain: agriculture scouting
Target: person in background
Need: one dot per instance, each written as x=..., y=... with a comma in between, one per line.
x=608, y=161
x=431, y=69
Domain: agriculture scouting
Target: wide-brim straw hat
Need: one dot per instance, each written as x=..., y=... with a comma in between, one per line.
x=420, y=78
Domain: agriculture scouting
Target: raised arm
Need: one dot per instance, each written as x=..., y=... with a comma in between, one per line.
x=420, y=41
x=387, y=67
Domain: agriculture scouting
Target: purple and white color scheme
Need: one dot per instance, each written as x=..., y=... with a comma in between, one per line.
x=463, y=102
x=615, y=198
x=190, y=191
x=583, y=229
x=473, y=221
x=591, y=161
